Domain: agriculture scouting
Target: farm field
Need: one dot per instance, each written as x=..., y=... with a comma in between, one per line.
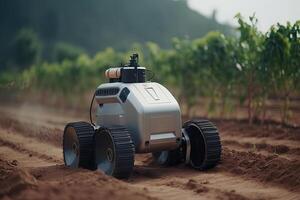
x=55, y=58
x=258, y=162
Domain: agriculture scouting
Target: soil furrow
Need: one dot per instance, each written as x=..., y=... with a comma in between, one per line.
x=281, y=150
x=31, y=146
x=214, y=184
x=24, y=158
x=271, y=169
x=272, y=130
x=43, y=134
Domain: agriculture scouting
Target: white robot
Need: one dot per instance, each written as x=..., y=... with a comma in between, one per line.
x=135, y=116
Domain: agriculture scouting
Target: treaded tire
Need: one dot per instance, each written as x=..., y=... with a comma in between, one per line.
x=205, y=144
x=114, y=151
x=78, y=145
x=168, y=158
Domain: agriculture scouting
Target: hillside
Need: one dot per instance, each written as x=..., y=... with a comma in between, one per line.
x=94, y=25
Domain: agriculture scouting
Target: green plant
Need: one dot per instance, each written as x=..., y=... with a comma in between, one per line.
x=248, y=59
x=216, y=54
x=27, y=48
x=282, y=59
x=64, y=51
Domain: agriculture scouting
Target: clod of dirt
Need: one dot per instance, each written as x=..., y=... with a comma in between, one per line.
x=14, y=163
x=205, y=182
x=16, y=181
x=191, y=184
x=196, y=187
x=146, y=171
x=231, y=196
x=280, y=149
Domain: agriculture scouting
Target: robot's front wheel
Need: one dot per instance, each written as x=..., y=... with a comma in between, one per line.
x=78, y=145
x=114, y=151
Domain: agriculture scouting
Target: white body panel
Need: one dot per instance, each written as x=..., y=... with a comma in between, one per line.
x=150, y=112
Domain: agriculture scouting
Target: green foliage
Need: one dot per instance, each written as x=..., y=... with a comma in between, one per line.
x=71, y=76
x=158, y=62
x=220, y=69
x=184, y=72
x=216, y=55
x=249, y=60
x=282, y=59
x=64, y=51
x=27, y=48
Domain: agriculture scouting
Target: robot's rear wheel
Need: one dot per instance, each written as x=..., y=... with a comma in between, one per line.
x=77, y=145
x=201, y=147
x=114, y=151
x=204, y=143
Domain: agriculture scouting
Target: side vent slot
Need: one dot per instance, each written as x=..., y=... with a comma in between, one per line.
x=107, y=91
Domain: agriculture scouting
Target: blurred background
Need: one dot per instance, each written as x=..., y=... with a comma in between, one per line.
x=220, y=58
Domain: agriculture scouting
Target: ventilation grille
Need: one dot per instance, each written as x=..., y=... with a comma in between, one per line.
x=107, y=91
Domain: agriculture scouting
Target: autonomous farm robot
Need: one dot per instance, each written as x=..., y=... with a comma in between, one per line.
x=136, y=116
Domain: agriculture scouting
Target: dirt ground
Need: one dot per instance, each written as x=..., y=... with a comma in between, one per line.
x=258, y=162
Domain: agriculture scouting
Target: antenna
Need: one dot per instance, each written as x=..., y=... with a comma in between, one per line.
x=134, y=59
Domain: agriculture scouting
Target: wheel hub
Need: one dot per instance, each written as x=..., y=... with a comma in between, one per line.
x=75, y=148
x=109, y=154
x=71, y=147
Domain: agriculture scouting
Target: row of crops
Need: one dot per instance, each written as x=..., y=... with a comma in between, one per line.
x=247, y=69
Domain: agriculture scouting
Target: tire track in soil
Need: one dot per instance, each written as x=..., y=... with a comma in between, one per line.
x=31, y=146
x=29, y=153
x=22, y=158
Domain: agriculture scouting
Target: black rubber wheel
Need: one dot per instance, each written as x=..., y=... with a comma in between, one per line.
x=78, y=145
x=168, y=158
x=205, y=144
x=114, y=151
